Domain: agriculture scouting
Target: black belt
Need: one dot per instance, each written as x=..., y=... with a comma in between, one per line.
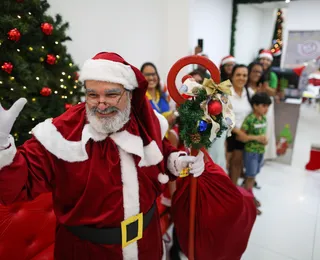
x=130, y=231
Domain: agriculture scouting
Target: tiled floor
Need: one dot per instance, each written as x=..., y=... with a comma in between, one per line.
x=289, y=227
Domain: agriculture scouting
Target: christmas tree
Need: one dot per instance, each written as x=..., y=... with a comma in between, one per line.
x=276, y=48
x=35, y=64
x=286, y=133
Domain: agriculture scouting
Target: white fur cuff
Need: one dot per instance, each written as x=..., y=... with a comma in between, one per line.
x=7, y=155
x=171, y=163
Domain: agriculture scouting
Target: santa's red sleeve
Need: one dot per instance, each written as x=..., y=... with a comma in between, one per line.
x=25, y=172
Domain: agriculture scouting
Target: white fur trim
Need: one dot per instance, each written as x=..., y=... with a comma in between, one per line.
x=71, y=151
x=7, y=155
x=314, y=76
x=164, y=256
x=171, y=163
x=266, y=55
x=150, y=154
x=47, y=134
x=163, y=178
x=110, y=71
x=131, y=202
x=164, y=125
x=227, y=60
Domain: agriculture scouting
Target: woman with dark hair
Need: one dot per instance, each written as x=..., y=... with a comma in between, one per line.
x=226, y=66
x=269, y=85
x=240, y=100
x=255, y=78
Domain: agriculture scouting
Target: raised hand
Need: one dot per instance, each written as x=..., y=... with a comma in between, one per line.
x=7, y=119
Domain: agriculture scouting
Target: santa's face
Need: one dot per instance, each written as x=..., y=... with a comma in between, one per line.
x=151, y=76
x=108, y=105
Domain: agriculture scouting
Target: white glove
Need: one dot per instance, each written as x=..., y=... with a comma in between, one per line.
x=177, y=163
x=7, y=119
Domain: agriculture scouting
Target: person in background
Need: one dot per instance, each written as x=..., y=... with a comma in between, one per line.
x=197, y=75
x=269, y=85
x=255, y=124
x=218, y=150
x=158, y=99
x=240, y=100
x=255, y=76
x=226, y=66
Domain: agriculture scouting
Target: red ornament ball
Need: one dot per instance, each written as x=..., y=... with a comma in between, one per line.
x=47, y=28
x=20, y=1
x=7, y=67
x=67, y=106
x=14, y=35
x=51, y=59
x=45, y=91
x=214, y=107
x=76, y=76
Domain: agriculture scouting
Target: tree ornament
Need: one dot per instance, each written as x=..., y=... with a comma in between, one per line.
x=20, y=1
x=203, y=125
x=47, y=28
x=45, y=91
x=51, y=59
x=76, y=76
x=7, y=67
x=196, y=138
x=14, y=35
x=67, y=106
x=214, y=107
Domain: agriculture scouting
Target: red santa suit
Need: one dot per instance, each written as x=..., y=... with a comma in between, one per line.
x=96, y=180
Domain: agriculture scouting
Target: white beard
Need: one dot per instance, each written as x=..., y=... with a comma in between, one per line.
x=109, y=125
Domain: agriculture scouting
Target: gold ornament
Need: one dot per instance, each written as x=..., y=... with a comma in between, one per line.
x=184, y=173
x=11, y=78
x=212, y=87
x=30, y=49
x=41, y=59
x=33, y=99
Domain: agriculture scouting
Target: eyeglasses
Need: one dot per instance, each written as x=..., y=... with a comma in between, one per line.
x=257, y=71
x=110, y=99
x=150, y=74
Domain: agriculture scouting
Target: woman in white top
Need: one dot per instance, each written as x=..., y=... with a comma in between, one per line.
x=240, y=100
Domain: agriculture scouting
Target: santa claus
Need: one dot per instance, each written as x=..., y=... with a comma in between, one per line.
x=105, y=162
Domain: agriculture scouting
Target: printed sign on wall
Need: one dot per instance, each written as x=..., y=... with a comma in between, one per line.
x=303, y=46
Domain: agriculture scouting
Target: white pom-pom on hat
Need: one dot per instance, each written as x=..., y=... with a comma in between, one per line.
x=163, y=178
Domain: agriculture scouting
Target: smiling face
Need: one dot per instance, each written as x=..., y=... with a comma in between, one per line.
x=108, y=105
x=255, y=73
x=240, y=77
x=151, y=76
x=266, y=63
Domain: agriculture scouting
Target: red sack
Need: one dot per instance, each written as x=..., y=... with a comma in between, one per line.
x=224, y=217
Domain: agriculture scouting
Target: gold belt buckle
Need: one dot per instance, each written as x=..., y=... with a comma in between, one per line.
x=127, y=222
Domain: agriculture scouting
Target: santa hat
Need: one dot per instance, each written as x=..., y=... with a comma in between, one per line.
x=227, y=59
x=109, y=67
x=266, y=54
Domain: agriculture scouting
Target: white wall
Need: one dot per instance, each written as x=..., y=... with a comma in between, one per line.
x=248, y=27
x=255, y=24
x=160, y=31
x=211, y=21
x=138, y=30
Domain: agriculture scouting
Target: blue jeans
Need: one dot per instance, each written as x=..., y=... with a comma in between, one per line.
x=252, y=163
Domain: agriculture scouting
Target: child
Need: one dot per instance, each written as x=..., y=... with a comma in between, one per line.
x=255, y=124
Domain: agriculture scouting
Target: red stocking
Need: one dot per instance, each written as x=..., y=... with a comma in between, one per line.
x=314, y=163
